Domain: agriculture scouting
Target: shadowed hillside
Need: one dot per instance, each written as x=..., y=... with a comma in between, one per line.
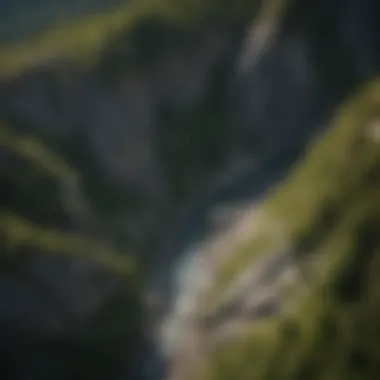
x=189, y=188
x=35, y=16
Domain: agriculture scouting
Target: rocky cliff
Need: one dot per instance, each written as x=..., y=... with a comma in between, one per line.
x=166, y=206
x=286, y=289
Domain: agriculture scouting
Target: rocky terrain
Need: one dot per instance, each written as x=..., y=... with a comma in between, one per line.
x=196, y=201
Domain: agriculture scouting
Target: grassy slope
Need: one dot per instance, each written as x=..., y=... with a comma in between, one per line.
x=329, y=207
x=113, y=332
x=19, y=232
x=84, y=39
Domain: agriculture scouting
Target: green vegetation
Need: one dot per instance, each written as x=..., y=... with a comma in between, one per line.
x=330, y=210
x=33, y=151
x=25, y=231
x=19, y=233
x=84, y=40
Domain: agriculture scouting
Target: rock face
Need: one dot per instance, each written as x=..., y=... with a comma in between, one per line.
x=85, y=180
x=334, y=286
x=286, y=85
x=290, y=82
x=284, y=273
x=166, y=152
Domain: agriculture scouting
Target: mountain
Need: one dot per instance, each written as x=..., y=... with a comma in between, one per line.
x=189, y=189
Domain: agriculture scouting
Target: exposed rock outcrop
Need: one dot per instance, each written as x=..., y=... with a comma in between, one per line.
x=303, y=256
x=165, y=152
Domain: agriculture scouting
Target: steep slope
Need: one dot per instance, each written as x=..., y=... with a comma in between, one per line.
x=83, y=186
x=143, y=112
x=34, y=16
x=84, y=39
x=291, y=287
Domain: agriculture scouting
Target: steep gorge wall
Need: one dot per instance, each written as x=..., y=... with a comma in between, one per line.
x=167, y=110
